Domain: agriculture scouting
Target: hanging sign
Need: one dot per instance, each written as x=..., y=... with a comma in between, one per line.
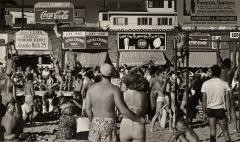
x=199, y=40
x=208, y=12
x=142, y=41
x=31, y=40
x=48, y=12
x=96, y=40
x=74, y=40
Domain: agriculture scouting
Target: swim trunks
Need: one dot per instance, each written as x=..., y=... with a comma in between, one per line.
x=102, y=130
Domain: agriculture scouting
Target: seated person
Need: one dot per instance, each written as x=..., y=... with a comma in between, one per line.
x=12, y=122
x=184, y=133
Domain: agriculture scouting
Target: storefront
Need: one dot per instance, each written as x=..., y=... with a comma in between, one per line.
x=34, y=48
x=139, y=48
x=90, y=47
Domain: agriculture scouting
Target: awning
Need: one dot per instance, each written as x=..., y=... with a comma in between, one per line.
x=202, y=59
x=37, y=52
x=135, y=58
x=89, y=59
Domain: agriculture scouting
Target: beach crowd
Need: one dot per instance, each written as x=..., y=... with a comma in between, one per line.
x=132, y=96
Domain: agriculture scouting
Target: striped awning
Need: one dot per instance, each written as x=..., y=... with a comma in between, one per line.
x=88, y=59
x=136, y=58
x=202, y=59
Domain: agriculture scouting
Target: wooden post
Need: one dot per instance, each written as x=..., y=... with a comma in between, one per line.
x=187, y=75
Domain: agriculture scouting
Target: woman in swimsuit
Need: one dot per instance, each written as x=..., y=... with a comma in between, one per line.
x=136, y=99
x=160, y=86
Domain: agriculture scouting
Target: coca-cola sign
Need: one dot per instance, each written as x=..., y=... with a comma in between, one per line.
x=48, y=12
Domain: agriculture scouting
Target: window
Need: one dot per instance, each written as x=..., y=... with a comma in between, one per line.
x=144, y=21
x=162, y=21
x=169, y=3
x=150, y=21
x=120, y=21
x=156, y=3
x=19, y=21
x=105, y=17
x=170, y=21
x=126, y=21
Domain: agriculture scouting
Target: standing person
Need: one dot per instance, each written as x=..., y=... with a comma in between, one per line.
x=78, y=85
x=50, y=94
x=58, y=73
x=73, y=68
x=101, y=100
x=160, y=101
x=214, y=92
x=136, y=100
x=8, y=91
x=29, y=96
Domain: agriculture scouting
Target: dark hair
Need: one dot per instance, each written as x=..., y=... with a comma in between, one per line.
x=135, y=81
x=227, y=63
x=216, y=70
x=30, y=76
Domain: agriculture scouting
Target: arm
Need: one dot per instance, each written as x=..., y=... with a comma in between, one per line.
x=32, y=90
x=228, y=102
x=204, y=103
x=89, y=106
x=14, y=92
x=122, y=107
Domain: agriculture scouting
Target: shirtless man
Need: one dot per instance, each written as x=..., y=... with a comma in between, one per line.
x=8, y=90
x=228, y=73
x=57, y=72
x=101, y=100
x=12, y=122
x=29, y=96
x=184, y=133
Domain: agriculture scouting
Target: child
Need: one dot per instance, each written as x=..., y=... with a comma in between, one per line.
x=184, y=133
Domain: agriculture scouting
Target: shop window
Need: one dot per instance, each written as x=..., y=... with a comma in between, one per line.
x=162, y=21
x=18, y=21
x=105, y=17
x=156, y=3
x=144, y=21
x=169, y=3
x=120, y=21
x=170, y=21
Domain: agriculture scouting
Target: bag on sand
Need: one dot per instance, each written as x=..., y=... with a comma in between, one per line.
x=83, y=124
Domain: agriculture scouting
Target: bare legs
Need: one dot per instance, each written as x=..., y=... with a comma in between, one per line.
x=157, y=114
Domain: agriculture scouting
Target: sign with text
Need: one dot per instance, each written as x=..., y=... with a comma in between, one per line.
x=199, y=40
x=96, y=40
x=208, y=12
x=234, y=35
x=142, y=41
x=31, y=40
x=74, y=40
x=48, y=12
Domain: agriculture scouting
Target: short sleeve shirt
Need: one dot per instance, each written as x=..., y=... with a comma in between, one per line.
x=215, y=90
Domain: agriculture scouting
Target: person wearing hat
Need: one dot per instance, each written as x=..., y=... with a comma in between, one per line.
x=101, y=100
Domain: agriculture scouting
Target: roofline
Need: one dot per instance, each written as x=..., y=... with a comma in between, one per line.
x=32, y=6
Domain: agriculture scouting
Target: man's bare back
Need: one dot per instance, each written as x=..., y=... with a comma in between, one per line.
x=8, y=91
x=102, y=99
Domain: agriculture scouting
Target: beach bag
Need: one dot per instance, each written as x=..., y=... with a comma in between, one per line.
x=83, y=124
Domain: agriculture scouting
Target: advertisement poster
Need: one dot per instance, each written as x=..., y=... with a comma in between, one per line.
x=48, y=12
x=199, y=40
x=96, y=40
x=74, y=40
x=31, y=40
x=208, y=12
x=142, y=41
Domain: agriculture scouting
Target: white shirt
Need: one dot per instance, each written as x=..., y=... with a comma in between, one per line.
x=215, y=90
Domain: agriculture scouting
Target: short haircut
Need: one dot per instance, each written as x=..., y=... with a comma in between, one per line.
x=216, y=70
x=30, y=76
x=227, y=63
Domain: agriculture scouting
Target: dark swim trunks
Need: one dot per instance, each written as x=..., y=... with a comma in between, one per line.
x=216, y=113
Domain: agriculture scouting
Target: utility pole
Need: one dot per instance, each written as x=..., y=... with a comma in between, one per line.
x=22, y=14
